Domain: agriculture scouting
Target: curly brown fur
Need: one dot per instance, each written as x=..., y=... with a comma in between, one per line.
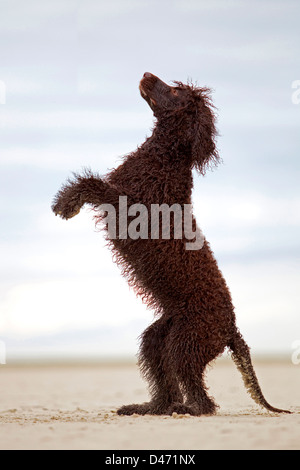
x=195, y=316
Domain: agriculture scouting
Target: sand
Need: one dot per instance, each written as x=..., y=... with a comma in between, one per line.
x=69, y=406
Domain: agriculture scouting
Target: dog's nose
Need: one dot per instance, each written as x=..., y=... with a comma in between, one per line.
x=147, y=75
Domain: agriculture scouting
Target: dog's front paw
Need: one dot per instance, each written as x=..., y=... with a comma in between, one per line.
x=67, y=214
x=66, y=210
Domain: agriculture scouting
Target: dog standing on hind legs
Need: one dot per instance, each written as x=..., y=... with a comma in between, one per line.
x=186, y=289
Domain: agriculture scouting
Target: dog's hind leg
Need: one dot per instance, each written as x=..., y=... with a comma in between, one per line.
x=189, y=355
x=153, y=360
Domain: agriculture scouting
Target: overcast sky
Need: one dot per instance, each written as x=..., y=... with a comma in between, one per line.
x=69, y=75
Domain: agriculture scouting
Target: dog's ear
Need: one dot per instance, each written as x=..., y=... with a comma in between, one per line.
x=204, y=150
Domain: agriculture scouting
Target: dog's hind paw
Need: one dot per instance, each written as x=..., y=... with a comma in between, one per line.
x=192, y=409
x=139, y=409
x=182, y=409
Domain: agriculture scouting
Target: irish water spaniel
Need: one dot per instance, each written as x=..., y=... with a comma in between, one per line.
x=195, y=316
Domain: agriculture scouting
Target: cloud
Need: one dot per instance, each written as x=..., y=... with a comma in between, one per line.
x=67, y=156
x=104, y=305
x=77, y=120
x=35, y=308
x=18, y=17
x=246, y=209
x=72, y=100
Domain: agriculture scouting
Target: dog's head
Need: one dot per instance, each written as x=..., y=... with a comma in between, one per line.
x=186, y=111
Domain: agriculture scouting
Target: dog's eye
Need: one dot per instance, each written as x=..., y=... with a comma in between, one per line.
x=174, y=91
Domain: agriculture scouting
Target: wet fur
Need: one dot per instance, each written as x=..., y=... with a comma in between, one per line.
x=195, y=319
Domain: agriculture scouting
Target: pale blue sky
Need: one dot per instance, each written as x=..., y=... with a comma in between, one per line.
x=71, y=71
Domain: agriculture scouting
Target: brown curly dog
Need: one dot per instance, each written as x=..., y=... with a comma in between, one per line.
x=195, y=316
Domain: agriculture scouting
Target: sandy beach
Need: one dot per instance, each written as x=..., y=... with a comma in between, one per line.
x=73, y=406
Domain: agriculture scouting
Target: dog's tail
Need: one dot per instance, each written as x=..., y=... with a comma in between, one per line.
x=242, y=359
